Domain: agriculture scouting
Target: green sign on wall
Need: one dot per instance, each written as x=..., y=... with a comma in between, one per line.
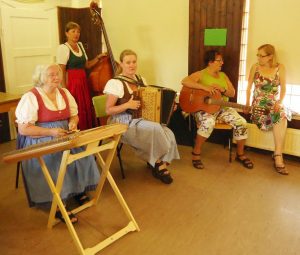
x=215, y=37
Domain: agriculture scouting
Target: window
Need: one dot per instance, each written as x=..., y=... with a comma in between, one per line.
x=242, y=83
x=292, y=97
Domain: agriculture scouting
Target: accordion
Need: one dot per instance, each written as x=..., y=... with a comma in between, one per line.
x=157, y=103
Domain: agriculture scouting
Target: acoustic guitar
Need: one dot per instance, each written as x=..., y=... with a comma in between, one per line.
x=194, y=100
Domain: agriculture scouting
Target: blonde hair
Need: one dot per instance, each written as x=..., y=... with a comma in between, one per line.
x=71, y=25
x=269, y=49
x=40, y=74
x=125, y=53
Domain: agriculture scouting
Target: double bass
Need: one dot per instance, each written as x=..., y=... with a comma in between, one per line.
x=107, y=67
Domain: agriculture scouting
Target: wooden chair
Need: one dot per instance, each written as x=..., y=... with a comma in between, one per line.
x=19, y=163
x=99, y=103
x=228, y=130
x=19, y=167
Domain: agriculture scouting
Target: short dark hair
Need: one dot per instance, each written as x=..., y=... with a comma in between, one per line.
x=210, y=56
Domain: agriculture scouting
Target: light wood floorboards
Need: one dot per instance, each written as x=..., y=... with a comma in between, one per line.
x=223, y=209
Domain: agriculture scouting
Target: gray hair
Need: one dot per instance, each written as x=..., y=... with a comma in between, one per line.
x=40, y=74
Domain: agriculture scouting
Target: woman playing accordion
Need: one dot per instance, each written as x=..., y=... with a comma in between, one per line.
x=153, y=142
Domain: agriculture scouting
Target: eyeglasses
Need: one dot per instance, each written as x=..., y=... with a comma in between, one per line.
x=261, y=56
x=53, y=75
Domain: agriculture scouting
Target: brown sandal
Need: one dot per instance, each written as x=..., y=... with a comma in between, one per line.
x=197, y=163
x=246, y=162
x=279, y=169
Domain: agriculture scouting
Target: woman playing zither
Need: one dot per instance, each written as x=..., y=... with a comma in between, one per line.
x=44, y=113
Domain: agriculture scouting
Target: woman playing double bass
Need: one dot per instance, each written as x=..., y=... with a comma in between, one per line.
x=73, y=60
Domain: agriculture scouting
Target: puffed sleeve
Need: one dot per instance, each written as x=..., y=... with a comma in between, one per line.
x=72, y=103
x=63, y=53
x=114, y=87
x=27, y=109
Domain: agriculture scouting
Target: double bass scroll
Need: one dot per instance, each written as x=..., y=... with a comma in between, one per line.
x=107, y=67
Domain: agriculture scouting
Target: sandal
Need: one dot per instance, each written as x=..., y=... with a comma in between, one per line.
x=82, y=198
x=279, y=169
x=197, y=163
x=162, y=174
x=73, y=218
x=246, y=162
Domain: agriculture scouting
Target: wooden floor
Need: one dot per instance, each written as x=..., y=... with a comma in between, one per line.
x=221, y=210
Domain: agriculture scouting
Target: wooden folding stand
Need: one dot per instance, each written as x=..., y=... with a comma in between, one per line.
x=91, y=139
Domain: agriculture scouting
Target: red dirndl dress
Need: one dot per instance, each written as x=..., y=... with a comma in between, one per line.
x=77, y=84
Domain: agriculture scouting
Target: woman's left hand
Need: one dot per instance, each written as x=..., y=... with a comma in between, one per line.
x=72, y=125
x=277, y=106
x=101, y=55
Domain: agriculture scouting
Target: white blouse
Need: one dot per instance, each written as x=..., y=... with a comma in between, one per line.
x=63, y=53
x=115, y=87
x=27, y=109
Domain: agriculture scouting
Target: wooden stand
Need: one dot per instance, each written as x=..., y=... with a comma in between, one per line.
x=110, y=136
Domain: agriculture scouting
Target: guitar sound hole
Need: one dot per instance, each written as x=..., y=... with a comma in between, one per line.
x=207, y=100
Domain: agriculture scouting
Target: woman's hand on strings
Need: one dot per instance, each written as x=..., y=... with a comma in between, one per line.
x=57, y=132
x=72, y=126
x=101, y=55
x=214, y=90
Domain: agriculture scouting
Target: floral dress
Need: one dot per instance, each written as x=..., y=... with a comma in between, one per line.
x=266, y=93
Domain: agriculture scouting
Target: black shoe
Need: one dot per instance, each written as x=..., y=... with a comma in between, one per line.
x=72, y=217
x=82, y=198
x=162, y=174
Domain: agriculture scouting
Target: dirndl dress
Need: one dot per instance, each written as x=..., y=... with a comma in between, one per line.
x=81, y=175
x=79, y=88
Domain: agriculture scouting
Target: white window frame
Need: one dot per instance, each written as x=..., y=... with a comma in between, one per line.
x=292, y=96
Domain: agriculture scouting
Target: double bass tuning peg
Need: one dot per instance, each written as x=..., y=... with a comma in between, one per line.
x=96, y=16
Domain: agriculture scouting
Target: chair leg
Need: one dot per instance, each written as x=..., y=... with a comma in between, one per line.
x=230, y=145
x=119, y=148
x=18, y=173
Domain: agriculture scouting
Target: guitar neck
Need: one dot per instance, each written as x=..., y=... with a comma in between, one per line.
x=228, y=104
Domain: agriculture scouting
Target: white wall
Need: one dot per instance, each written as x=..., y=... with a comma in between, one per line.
x=276, y=22
x=157, y=30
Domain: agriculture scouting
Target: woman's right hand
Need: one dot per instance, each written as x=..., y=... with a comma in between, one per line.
x=133, y=104
x=212, y=90
x=57, y=132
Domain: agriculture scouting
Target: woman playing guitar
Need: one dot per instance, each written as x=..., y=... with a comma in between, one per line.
x=212, y=80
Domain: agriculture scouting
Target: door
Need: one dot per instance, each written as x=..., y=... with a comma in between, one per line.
x=30, y=37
